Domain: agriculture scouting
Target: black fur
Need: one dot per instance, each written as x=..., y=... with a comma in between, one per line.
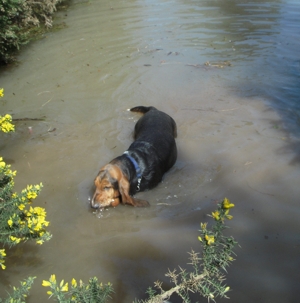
x=154, y=148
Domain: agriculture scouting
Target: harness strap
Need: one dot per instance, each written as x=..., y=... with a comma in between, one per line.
x=137, y=170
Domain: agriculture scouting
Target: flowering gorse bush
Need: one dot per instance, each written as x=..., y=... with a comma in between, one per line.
x=5, y=124
x=19, y=294
x=19, y=221
x=208, y=274
x=93, y=292
x=5, y=121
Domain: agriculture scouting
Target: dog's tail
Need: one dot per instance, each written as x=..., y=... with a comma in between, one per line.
x=142, y=109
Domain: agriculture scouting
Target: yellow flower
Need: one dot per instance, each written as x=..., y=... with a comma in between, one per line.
x=46, y=283
x=74, y=283
x=29, y=223
x=39, y=211
x=10, y=222
x=209, y=239
x=216, y=215
x=31, y=195
x=229, y=217
x=49, y=292
x=65, y=287
x=227, y=204
x=52, y=279
x=15, y=239
x=203, y=225
x=1, y=92
x=3, y=266
x=40, y=242
x=21, y=206
x=10, y=173
x=38, y=227
x=38, y=186
x=5, y=123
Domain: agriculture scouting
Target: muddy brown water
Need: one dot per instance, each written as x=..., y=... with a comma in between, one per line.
x=231, y=142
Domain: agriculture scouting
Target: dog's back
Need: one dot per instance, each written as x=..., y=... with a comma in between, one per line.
x=154, y=120
x=159, y=130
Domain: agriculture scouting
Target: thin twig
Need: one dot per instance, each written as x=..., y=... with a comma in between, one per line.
x=46, y=91
x=47, y=102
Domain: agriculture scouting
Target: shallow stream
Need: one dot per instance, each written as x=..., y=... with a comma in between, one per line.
x=228, y=73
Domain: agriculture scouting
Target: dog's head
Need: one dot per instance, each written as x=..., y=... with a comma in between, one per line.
x=107, y=187
x=112, y=188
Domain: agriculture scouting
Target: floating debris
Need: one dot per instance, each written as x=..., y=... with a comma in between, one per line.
x=29, y=119
x=50, y=130
x=218, y=64
x=208, y=64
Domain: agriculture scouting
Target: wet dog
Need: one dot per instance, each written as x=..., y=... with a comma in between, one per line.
x=143, y=165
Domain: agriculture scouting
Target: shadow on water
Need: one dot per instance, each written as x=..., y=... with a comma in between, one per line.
x=234, y=140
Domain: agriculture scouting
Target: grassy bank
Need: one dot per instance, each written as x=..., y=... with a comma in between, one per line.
x=20, y=21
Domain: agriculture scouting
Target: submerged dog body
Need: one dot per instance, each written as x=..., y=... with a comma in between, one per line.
x=143, y=165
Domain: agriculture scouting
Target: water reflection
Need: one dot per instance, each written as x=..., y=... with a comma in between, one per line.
x=265, y=35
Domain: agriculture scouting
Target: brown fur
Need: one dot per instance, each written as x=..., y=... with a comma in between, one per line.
x=107, y=195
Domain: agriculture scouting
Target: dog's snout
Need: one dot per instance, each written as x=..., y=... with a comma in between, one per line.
x=96, y=206
x=93, y=204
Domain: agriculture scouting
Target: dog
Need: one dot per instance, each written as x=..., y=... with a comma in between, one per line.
x=143, y=165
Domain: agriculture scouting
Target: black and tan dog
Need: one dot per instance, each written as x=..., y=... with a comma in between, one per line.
x=143, y=165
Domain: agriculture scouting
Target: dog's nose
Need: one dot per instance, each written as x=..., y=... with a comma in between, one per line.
x=94, y=205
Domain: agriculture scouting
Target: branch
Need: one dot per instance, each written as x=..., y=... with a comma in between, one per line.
x=184, y=285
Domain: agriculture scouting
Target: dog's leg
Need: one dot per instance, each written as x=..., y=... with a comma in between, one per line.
x=140, y=203
x=126, y=198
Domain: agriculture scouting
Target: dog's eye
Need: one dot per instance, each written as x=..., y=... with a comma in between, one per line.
x=107, y=187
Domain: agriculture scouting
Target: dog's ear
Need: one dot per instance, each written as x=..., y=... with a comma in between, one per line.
x=124, y=188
